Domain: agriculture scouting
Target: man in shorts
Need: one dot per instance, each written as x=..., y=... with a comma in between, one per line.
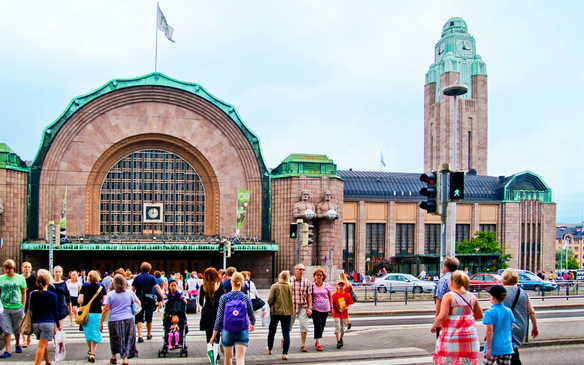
x=449, y=266
x=13, y=298
x=302, y=300
x=143, y=285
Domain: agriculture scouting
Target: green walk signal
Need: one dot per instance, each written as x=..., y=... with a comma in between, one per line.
x=293, y=230
x=456, y=191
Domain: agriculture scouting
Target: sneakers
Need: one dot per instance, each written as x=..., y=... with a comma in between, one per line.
x=339, y=344
x=349, y=326
x=342, y=343
x=140, y=340
x=18, y=349
x=5, y=355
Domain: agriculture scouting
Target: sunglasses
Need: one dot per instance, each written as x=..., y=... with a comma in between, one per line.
x=301, y=269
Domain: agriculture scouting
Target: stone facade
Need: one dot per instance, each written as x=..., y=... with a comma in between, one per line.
x=14, y=195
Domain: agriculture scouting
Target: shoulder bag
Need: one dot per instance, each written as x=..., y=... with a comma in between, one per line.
x=26, y=324
x=82, y=318
x=353, y=295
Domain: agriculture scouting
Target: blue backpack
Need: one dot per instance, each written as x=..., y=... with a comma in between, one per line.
x=235, y=315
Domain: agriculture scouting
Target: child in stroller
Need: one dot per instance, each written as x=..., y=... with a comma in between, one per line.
x=175, y=321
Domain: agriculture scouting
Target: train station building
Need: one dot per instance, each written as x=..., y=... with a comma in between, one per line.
x=157, y=169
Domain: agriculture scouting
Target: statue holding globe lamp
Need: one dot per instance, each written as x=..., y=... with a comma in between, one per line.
x=327, y=209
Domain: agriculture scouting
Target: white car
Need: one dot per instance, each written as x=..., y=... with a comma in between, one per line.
x=399, y=282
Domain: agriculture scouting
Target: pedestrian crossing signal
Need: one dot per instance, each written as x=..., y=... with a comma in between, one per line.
x=293, y=230
x=456, y=191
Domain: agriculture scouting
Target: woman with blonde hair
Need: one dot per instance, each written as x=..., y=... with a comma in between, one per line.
x=236, y=325
x=43, y=306
x=91, y=327
x=281, y=310
x=458, y=341
x=59, y=287
x=74, y=286
x=322, y=299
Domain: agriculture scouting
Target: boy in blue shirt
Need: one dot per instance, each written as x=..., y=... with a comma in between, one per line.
x=499, y=320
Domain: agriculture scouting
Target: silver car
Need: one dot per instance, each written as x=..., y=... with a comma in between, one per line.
x=399, y=282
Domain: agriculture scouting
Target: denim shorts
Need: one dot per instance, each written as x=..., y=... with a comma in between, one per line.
x=228, y=339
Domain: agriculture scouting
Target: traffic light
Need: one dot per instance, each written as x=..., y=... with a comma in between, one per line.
x=293, y=230
x=228, y=249
x=221, y=246
x=306, y=234
x=456, y=186
x=432, y=192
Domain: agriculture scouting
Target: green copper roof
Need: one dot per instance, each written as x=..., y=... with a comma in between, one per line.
x=144, y=247
x=309, y=165
x=526, y=186
x=10, y=160
x=456, y=52
x=153, y=79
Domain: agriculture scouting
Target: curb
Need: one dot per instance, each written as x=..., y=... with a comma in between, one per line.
x=431, y=311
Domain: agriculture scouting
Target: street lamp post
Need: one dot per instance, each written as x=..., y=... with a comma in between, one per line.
x=454, y=90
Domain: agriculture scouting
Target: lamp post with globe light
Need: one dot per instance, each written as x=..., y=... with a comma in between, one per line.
x=454, y=90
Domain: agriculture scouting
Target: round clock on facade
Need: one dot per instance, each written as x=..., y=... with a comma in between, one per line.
x=153, y=213
x=464, y=48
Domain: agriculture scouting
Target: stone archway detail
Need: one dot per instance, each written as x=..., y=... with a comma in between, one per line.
x=152, y=141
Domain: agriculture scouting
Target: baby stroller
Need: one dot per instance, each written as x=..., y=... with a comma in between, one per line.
x=175, y=338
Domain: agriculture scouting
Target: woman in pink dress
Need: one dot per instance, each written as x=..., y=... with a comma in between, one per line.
x=458, y=342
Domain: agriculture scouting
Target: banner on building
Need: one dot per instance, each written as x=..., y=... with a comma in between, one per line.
x=63, y=219
x=242, y=204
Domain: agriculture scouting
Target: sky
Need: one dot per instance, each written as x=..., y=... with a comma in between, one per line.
x=340, y=78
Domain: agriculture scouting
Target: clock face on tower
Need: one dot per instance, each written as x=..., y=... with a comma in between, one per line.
x=153, y=213
x=440, y=52
x=464, y=48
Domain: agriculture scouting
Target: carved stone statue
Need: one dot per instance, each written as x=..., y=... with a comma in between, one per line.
x=326, y=208
x=302, y=206
x=1, y=207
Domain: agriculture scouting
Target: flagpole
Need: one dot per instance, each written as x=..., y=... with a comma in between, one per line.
x=156, y=49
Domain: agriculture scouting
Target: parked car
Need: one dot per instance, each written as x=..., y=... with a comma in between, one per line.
x=484, y=281
x=530, y=281
x=399, y=282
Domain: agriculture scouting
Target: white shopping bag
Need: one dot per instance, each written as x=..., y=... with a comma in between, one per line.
x=266, y=316
x=59, y=342
x=213, y=353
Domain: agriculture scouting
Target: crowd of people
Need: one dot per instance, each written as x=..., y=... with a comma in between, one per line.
x=229, y=300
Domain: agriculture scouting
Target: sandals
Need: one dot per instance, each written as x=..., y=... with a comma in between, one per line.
x=113, y=361
x=91, y=358
x=303, y=349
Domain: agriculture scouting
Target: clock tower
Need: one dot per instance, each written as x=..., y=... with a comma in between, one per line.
x=456, y=61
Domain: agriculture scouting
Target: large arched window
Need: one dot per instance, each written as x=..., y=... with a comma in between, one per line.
x=152, y=176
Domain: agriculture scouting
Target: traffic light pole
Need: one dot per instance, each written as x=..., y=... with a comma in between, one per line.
x=444, y=206
x=298, y=239
x=51, y=232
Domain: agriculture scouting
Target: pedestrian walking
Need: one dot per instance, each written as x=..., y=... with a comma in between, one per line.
x=74, y=286
x=348, y=289
x=107, y=280
x=252, y=291
x=121, y=325
x=209, y=298
x=59, y=287
x=499, y=320
x=341, y=303
x=193, y=285
x=322, y=305
x=93, y=290
x=449, y=266
x=43, y=306
x=235, y=319
x=13, y=298
x=281, y=309
x=143, y=285
x=458, y=342
x=30, y=279
x=423, y=274
x=302, y=300
x=518, y=301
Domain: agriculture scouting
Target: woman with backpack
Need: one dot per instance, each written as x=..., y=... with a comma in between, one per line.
x=235, y=319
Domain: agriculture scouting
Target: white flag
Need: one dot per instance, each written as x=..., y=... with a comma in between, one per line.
x=163, y=25
x=382, y=162
x=565, y=244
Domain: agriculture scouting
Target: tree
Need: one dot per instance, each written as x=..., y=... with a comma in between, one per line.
x=388, y=263
x=483, y=242
x=572, y=262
